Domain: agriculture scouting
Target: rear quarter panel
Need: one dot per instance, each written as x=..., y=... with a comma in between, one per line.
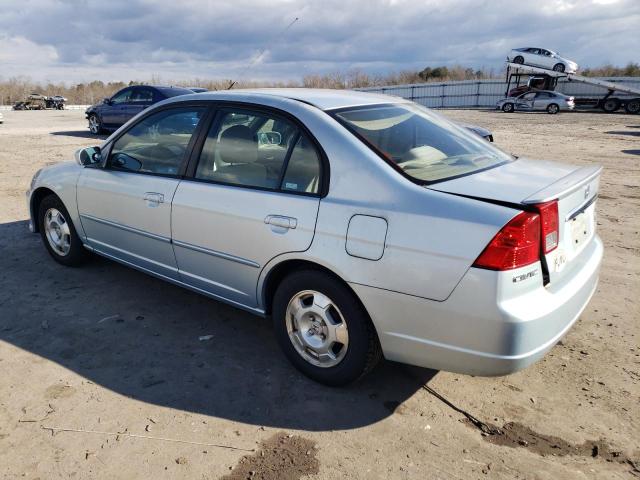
x=432, y=238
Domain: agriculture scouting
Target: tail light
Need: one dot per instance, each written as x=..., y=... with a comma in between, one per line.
x=549, y=223
x=520, y=241
x=516, y=245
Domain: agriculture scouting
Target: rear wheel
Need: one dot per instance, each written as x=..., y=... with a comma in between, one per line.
x=507, y=107
x=610, y=105
x=558, y=67
x=323, y=329
x=553, y=108
x=519, y=59
x=95, y=124
x=58, y=233
x=633, y=106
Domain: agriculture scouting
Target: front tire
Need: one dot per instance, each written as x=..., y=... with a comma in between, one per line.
x=95, y=124
x=559, y=67
x=519, y=59
x=323, y=329
x=553, y=108
x=507, y=107
x=58, y=233
x=610, y=105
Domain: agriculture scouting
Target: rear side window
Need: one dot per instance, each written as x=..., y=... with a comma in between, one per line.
x=423, y=145
x=255, y=149
x=157, y=143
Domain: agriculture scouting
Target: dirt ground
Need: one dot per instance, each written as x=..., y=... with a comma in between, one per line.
x=103, y=374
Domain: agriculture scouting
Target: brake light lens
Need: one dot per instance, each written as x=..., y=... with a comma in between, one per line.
x=516, y=245
x=549, y=223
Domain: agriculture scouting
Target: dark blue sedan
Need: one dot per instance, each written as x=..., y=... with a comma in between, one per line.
x=114, y=112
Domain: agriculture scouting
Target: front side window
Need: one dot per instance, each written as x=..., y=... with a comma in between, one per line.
x=255, y=149
x=157, y=143
x=424, y=145
x=121, y=97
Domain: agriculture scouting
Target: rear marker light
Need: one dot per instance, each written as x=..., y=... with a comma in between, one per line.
x=516, y=245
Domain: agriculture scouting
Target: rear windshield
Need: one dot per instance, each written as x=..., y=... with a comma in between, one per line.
x=425, y=146
x=174, y=91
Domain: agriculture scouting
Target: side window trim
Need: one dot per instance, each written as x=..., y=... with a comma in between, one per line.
x=189, y=150
x=287, y=157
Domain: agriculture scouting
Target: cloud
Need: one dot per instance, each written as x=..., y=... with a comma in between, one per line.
x=65, y=40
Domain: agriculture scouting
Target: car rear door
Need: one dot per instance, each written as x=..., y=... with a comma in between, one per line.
x=125, y=207
x=252, y=193
x=141, y=98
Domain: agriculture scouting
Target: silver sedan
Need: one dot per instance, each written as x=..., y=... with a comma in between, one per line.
x=363, y=225
x=537, y=101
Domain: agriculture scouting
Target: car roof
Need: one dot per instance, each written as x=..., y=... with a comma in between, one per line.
x=324, y=99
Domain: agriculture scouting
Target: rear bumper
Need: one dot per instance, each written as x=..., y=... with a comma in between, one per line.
x=490, y=325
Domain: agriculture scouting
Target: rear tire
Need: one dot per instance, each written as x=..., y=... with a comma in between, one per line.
x=633, y=106
x=519, y=59
x=95, y=124
x=610, y=105
x=315, y=317
x=507, y=107
x=559, y=67
x=58, y=233
x=553, y=108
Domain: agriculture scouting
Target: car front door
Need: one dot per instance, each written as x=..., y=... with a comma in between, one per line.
x=112, y=113
x=125, y=207
x=141, y=98
x=251, y=194
x=525, y=102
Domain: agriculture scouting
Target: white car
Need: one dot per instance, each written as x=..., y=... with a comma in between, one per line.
x=1, y=118
x=540, y=57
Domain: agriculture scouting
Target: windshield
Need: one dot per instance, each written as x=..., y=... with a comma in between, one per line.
x=424, y=145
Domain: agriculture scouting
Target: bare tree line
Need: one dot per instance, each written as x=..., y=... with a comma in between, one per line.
x=17, y=88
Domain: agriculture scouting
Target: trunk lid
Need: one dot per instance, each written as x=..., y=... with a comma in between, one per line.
x=526, y=183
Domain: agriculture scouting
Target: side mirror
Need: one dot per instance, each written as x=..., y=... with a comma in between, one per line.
x=106, y=101
x=89, y=156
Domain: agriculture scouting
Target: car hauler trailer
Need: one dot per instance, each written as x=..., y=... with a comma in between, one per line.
x=543, y=79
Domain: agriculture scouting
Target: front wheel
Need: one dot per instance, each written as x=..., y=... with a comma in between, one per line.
x=323, y=329
x=95, y=124
x=553, y=108
x=58, y=233
x=507, y=107
x=519, y=59
x=558, y=67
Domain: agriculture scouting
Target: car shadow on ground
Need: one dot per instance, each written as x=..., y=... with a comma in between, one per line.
x=631, y=152
x=623, y=132
x=140, y=337
x=79, y=134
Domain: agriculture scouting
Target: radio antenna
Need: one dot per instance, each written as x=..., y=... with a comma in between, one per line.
x=261, y=53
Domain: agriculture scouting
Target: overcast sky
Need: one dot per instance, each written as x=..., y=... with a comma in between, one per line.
x=80, y=40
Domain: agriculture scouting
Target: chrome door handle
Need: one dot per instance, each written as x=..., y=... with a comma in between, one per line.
x=281, y=221
x=153, y=199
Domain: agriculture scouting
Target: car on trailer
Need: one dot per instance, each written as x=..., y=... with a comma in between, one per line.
x=541, y=57
x=537, y=101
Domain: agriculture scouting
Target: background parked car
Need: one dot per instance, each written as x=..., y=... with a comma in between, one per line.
x=540, y=57
x=478, y=130
x=552, y=102
x=114, y=112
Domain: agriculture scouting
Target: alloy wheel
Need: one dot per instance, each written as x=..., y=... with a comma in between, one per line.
x=317, y=329
x=57, y=231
